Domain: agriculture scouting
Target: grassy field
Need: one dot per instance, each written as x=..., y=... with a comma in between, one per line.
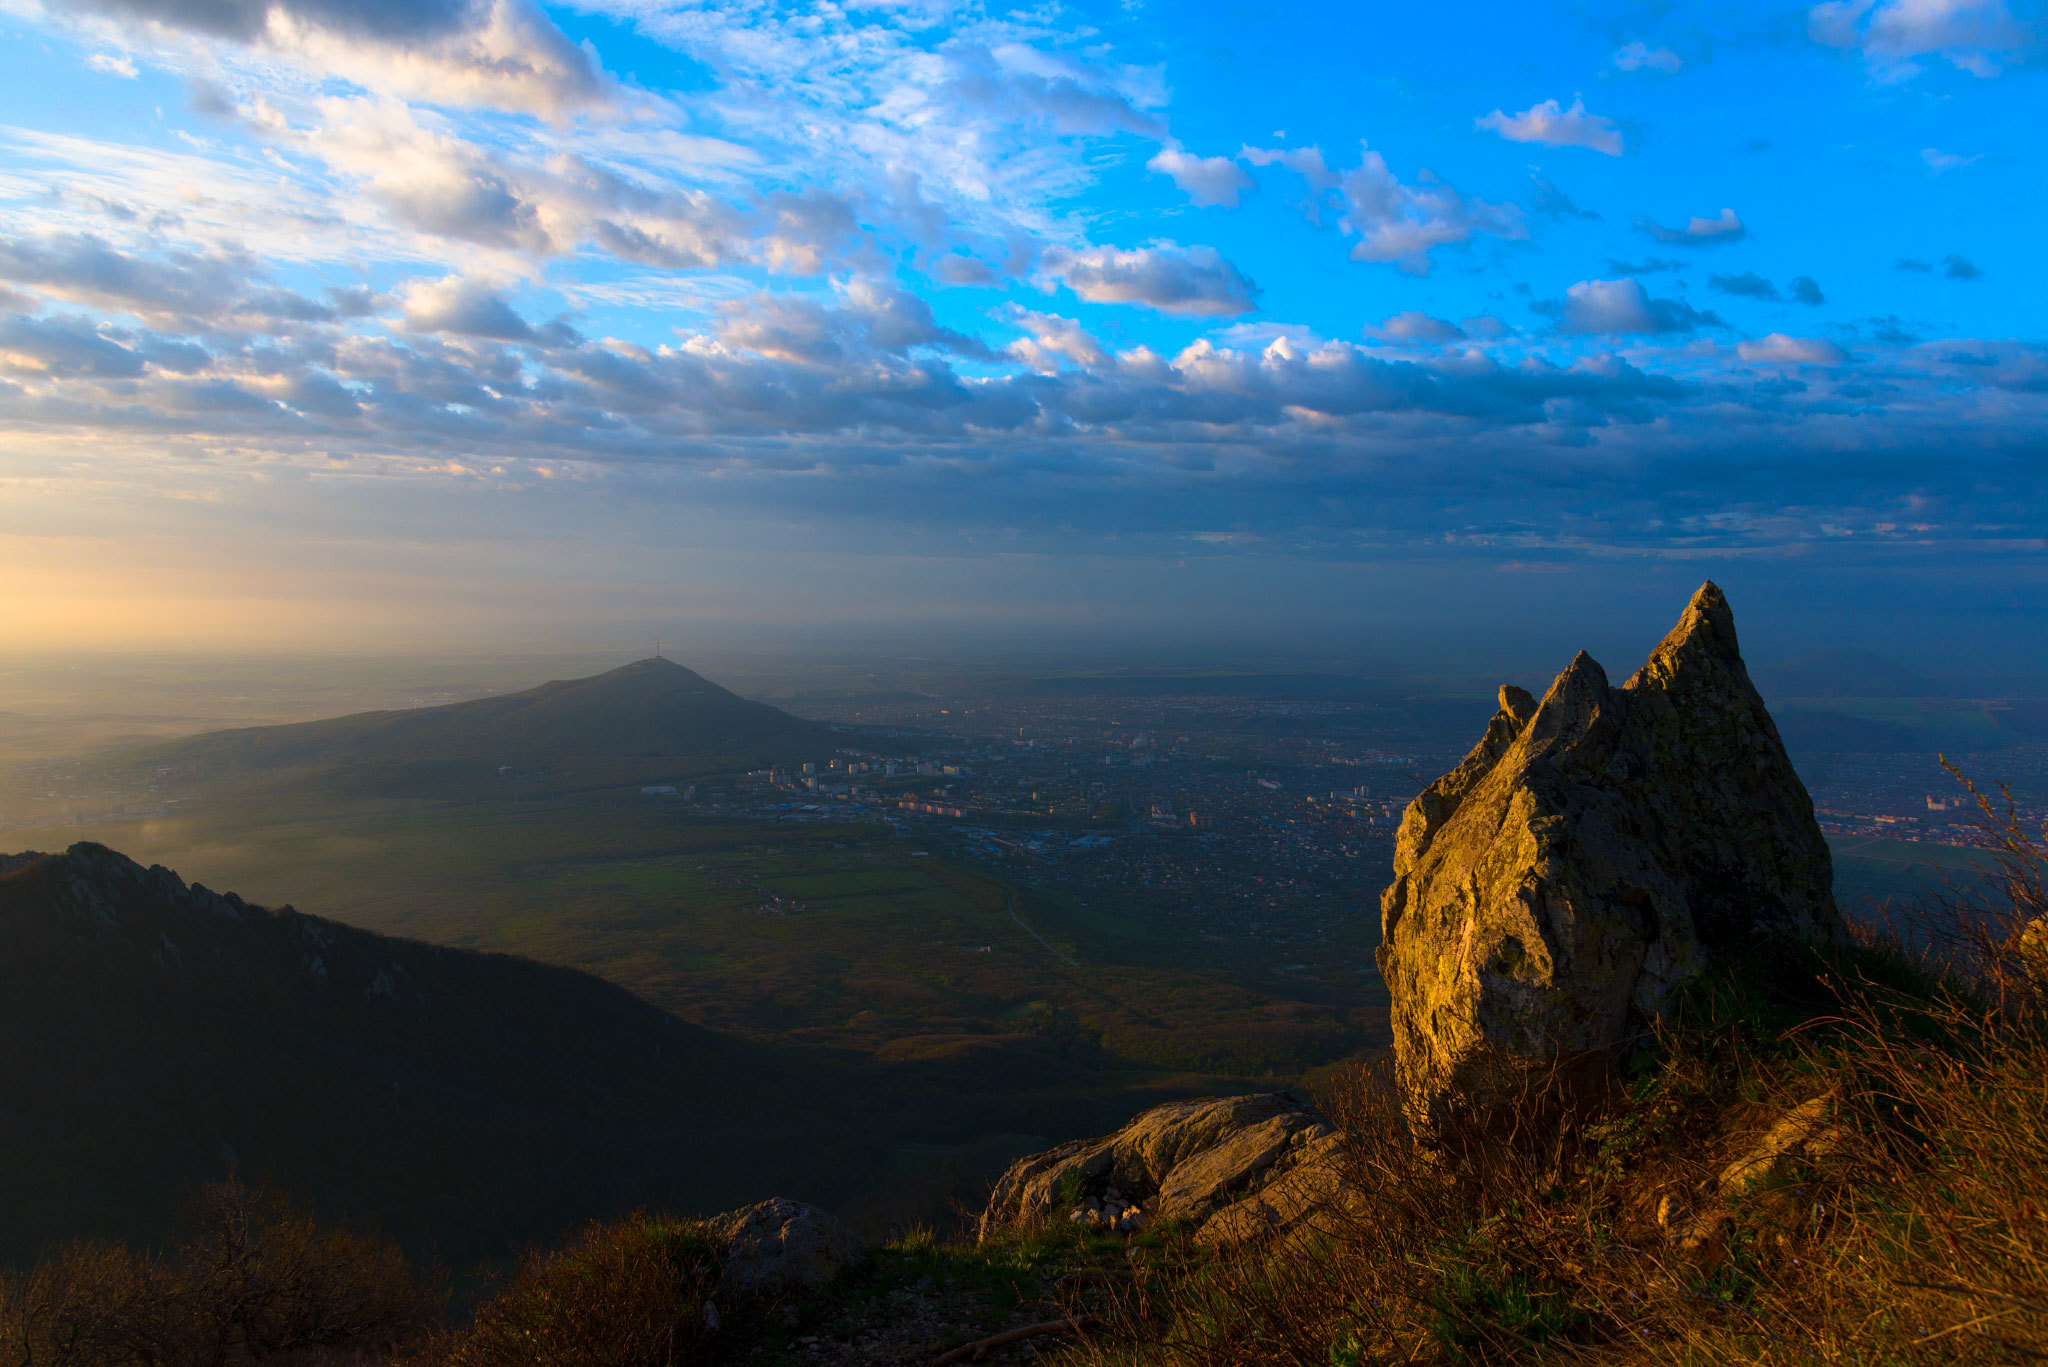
x=1872, y=872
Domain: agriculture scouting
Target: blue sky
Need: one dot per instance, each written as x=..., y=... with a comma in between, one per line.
x=443, y=321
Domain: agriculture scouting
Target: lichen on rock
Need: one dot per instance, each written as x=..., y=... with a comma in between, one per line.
x=1181, y=1160
x=1597, y=849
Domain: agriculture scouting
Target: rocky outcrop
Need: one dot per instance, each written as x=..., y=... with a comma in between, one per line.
x=97, y=881
x=1596, y=850
x=1290, y=1201
x=1182, y=1160
x=784, y=1245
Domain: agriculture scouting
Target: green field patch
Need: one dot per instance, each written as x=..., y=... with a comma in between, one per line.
x=1904, y=871
x=849, y=884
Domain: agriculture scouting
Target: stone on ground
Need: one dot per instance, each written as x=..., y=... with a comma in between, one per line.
x=783, y=1244
x=1181, y=1160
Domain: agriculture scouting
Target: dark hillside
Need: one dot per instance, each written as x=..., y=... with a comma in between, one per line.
x=465, y=1102
x=646, y=718
x=159, y=1035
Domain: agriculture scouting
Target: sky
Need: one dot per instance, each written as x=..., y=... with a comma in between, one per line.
x=381, y=324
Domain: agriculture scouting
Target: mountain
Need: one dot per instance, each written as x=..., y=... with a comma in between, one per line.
x=159, y=1034
x=651, y=718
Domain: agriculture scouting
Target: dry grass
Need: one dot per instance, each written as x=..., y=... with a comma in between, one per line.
x=1910, y=1227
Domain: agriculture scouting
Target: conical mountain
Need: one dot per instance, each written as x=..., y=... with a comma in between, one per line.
x=650, y=710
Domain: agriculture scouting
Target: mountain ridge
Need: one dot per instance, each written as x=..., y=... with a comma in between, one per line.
x=652, y=718
x=162, y=1033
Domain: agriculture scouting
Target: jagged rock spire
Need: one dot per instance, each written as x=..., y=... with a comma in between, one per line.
x=1595, y=850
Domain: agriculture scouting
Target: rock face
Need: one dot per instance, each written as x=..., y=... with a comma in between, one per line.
x=1290, y=1200
x=1182, y=1160
x=784, y=1245
x=1594, y=851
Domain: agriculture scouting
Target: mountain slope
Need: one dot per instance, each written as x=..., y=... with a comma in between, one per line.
x=651, y=717
x=159, y=1034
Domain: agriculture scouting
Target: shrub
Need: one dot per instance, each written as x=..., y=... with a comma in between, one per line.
x=254, y=1278
x=635, y=1292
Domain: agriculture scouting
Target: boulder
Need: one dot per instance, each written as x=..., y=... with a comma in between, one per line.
x=784, y=1245
x=1177, y=1161
x=1596, y=850
x=1289, y=1203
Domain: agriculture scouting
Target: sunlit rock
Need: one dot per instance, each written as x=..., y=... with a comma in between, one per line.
x=1595, y=851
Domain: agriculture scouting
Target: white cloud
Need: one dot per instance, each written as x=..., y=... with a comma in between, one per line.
x=1306, y=162
x=806, y=230
x=180, y=290
x=958, y=268
x=1051, y=340
x=113, y=64
x=1258, y=333
x=1402, y=224
x=194, y=198
x=1416, y=326
x=1939, y=162
x=870, y=319
x=1792, y=350
x=1624, y=306
x=1977, y=36
x=1699, y=232
x=503, y=54
x=436, y=182
x=891, y=133
x=1208, y=181
x=1552, y=125
x=1395, y=224
x=1640, y=56
x=476, y=307
x=547, y=200
x=1019, y=81
x=1170, y=278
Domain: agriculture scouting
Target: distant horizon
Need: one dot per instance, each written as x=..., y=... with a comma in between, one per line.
x=807, y=669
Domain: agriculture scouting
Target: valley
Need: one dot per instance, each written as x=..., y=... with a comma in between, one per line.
x=980, y=923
